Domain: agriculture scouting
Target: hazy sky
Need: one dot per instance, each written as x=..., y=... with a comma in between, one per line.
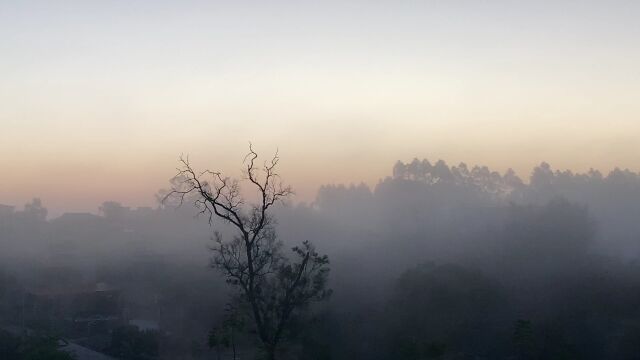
x=99, y=98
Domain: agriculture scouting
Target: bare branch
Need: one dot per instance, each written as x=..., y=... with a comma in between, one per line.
x=271, y=285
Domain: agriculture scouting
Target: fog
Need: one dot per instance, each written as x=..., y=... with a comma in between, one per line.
x=435, y=261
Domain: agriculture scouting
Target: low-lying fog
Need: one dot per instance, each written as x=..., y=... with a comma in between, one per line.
x=435, y=261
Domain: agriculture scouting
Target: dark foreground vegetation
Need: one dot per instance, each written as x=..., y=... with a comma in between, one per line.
x=435, y=262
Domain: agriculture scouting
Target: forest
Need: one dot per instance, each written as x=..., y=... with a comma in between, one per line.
x=433, y=262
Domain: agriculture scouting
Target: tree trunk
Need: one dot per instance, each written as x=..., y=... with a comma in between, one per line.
x=233, y=345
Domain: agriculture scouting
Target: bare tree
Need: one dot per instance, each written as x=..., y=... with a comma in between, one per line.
x=273, y=287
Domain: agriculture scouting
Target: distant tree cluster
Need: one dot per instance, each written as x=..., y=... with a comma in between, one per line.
x=440, y=173
x=542, y=178
x=434, y=190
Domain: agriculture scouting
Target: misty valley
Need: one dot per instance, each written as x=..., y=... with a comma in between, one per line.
x=428, y=180
x=433, y=262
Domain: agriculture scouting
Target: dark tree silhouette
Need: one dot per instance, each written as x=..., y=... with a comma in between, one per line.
x=225, y=335
x=272, y=286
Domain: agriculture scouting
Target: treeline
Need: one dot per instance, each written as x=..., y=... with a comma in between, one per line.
x=434, y=262
x=452, y=263
x=430, y=191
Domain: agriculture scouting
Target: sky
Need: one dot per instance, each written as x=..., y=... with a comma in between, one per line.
x=98, y=99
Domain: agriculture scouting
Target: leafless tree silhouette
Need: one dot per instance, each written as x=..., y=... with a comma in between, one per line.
x=273, y=287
